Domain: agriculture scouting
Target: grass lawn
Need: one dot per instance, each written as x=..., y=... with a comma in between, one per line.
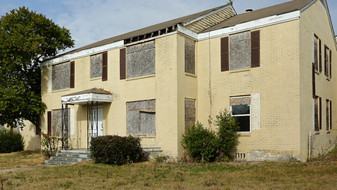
x=150, y=175
x=318, y=174
x=20, y=160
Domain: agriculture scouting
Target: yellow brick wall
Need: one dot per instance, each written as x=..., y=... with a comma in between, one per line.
x=276, y=80
x=315, y=20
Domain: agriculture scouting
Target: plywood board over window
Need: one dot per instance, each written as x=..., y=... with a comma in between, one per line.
x=96, y=65
x=140, y=60
x=189, y=56
x=141, y=118
x=240, y=51
x=189, y=113
x=61, y=76
x=55, y=122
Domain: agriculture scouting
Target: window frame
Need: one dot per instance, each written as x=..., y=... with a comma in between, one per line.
x=98, y=77
x=243, y=115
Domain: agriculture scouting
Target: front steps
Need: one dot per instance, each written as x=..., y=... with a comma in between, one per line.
x=67, y=157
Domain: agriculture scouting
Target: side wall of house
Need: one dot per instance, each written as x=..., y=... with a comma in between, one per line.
x=273, y=87
x=315, y=21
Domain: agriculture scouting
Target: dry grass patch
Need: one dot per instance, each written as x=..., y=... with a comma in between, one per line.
x=149, y=175
x=20, y=159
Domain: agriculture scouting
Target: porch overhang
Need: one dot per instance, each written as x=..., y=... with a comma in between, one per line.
x=87, y=96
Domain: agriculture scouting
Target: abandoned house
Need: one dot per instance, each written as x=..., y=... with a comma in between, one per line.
x=273, y=68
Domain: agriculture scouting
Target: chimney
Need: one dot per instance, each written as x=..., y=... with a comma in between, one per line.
x=249, y=10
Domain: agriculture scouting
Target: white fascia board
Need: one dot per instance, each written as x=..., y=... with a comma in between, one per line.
x=276, y=19
x=187, y=32
x=84, y=98
x=84, y=53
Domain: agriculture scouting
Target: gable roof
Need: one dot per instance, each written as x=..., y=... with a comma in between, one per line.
x=283, y=8
x=157, y=27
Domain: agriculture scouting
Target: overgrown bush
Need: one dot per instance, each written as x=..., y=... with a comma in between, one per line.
x=204, y=144
x=227, y=134
x=50, y=145
x=116, y=150
x=10, y=141
x=201, y=144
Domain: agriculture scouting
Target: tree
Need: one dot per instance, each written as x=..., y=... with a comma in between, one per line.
x=26, y=40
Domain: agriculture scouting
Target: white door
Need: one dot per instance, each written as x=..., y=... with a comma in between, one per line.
x=96, y=121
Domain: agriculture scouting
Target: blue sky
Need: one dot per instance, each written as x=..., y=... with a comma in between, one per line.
x=93, y=20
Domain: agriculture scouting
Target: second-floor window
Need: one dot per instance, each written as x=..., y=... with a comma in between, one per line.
x=327, y=62
x=98, y=66
x=240, y=51
x=140, y=60
x=63, y=76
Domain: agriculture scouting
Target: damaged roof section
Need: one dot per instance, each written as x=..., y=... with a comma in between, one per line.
x=198, y=22
x=202, y=23
x=262, y=13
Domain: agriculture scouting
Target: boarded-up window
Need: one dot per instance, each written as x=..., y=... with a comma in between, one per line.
x=140, y=59
x=240, y=109
x=141, y=118
x=318, y=113
x=56, y=122
x=328, y=116
x=189, y=113
x=326, y=62
x=189, y=56
x=61, y=76
x=315, y=61
x=96, y=62
x=240, y=51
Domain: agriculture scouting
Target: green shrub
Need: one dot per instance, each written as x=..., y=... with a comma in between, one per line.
x=116, y=150
x=10, y=141
x=201, y=144
x=227, y=134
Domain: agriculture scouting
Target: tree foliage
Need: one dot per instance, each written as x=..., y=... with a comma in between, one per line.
x=26, y=40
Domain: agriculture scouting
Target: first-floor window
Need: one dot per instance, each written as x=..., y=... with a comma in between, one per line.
x=328, y=115
x=141, y=118
x=240, y=109
x=318, y=113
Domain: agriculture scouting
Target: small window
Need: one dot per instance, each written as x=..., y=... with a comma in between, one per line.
x=318, y=113
x=189, y=56
x=240, y=109
x=327, y=62
x=328, y=115
x=189, y=113
x=315, y=61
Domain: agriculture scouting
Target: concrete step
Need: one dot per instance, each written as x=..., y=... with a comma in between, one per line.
x=73, y=155
x=66, y=157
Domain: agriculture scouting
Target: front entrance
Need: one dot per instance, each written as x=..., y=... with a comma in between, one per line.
x=96, y=121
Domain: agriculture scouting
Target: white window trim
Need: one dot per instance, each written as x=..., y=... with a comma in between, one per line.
x=241, y=115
